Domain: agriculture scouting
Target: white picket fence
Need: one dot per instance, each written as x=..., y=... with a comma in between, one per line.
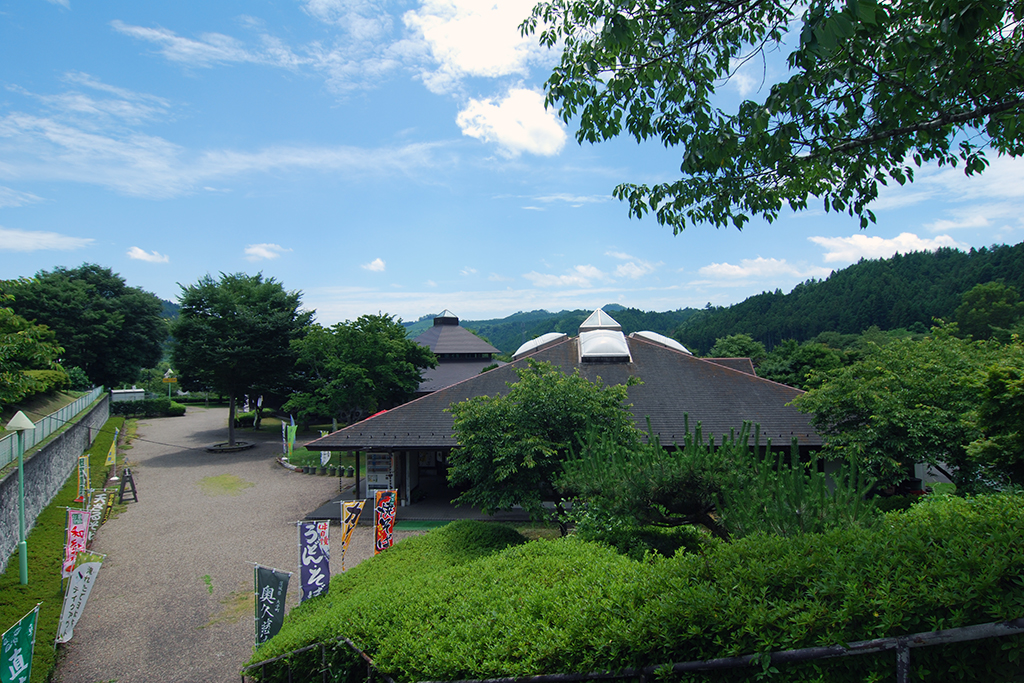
x=45, y=427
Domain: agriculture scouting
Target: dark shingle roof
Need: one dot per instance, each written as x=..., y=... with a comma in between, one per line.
x=449, y=372
x=453, y=339
x=742, y=364
x=674, y=384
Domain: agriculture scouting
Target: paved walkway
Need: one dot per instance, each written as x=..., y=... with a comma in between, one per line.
x=173, y=600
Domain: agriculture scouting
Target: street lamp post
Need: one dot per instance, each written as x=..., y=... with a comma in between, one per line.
x=19, y=423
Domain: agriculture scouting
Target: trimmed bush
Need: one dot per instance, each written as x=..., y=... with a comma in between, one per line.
x=245, y=419
x=48, y=380
x=150, y=407
x=571, y=606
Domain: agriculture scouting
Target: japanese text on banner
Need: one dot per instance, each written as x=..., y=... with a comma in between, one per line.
x=384, y=520
x=350, y=511
x=314, y=558
x=271, y=589
x=16, y=647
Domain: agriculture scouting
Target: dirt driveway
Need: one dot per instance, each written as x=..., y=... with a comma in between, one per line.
x=173, y=600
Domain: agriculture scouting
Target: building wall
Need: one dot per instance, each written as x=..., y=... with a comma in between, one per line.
x=46, y=471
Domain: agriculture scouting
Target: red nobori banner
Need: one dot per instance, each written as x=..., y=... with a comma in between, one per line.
x=384, y=520
x=77, y=533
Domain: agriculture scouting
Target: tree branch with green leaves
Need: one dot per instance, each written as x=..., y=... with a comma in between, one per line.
x=874, y=90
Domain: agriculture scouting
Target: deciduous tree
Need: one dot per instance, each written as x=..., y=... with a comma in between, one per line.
x=355, y=368
x=24, y=347
x=906, y=402
x=512, y=447
x=234, y=336
x=873, y=90
x=108, y=329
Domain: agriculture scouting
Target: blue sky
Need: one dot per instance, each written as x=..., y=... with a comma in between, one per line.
x=381, y=157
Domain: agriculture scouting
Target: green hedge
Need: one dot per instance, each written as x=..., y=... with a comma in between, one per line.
x=572, y=606
x=45, y=554
x=150, y=407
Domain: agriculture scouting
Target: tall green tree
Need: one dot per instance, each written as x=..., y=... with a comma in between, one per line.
x=873, y=90
x=355, y=368
x=999, y=451
x=512, y=447
x=107, y=328
x=989, y=310
x=739, y=346
x=234, y=335
x=24, y=347
x=906, y=402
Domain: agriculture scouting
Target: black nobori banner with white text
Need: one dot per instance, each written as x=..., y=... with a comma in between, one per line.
x=271, y=589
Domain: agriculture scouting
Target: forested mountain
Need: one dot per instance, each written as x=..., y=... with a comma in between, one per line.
x=905, y=291
x=508, y=334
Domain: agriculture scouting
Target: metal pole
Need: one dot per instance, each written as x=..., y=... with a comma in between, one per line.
x=22, y=543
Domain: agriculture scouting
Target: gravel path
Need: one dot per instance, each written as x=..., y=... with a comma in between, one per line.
x=173, y=600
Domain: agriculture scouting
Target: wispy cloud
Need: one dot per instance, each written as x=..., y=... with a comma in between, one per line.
x=517, y=123
x=468, y=271
x=376, y=265
x=264, y=251
x=9, y=197
x=574, y=199
x=33, y=240
x=103, y=102
x=128, y=161
x=633, y=267
x=761, y=268
x=150, y=256
x=578, y=276
x=211, y=49
x=855, y=247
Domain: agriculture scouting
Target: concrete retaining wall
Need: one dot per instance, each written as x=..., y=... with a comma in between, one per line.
x=46, y=471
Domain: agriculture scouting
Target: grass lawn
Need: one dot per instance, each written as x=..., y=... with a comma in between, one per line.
x=39, y=406
x=45, y=553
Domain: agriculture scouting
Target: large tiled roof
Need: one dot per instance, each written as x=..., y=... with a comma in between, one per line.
x=451, y=371
x=674, y=384
x=453, y=339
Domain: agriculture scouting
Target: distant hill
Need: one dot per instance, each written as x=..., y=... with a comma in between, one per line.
x=905, y=291
x=509, y=333
x=170, y=309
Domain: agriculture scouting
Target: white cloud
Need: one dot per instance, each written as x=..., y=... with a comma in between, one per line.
x=213, y=48
x=468, y=271
x=122, y=159
x=362, y=19
x=376, y=265
x=33, y=240
x=9, y=197
x=760, y=268
x=66, y=4
x=149, y=256
x=519, y=123
x=575, y=200
x=579, y=276
x=852, y=249
x=264, y=251
x=494, y=277
x=469, y=38
x=633, y=267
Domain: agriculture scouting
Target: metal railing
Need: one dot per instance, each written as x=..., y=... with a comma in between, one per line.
x=901, y=645
x=46, y=426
